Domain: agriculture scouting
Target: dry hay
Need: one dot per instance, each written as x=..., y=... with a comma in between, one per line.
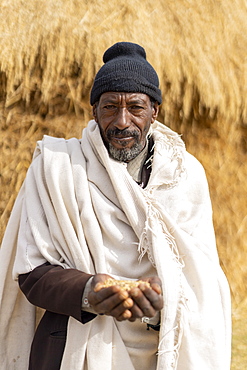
x=197, y=47
x=226, y=170
x=239, y=347
x=50, y=51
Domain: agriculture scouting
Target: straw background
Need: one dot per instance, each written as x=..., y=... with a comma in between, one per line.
x=50, y=52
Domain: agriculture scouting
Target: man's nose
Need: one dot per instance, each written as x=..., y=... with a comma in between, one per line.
x=122, y=120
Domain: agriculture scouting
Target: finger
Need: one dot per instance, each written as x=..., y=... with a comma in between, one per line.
x=121, y=313
x=155, y=283
x=156, y=287
x=113, y=305
x=126, y=315
x=121, y=308
x=147, y=300
x=99, y=278
x=153, y=296
x=142, y=305
x=99, y=295
x=138, y=313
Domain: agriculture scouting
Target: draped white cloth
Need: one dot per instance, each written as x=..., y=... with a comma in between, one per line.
x=75, y=206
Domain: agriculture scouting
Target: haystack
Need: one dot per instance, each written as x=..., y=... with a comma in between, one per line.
x=51, y=50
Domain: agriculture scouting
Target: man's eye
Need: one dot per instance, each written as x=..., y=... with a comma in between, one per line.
x=136, y=107
x=109, y=107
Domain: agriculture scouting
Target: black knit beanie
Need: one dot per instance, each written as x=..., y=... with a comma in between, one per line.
x=126, y=70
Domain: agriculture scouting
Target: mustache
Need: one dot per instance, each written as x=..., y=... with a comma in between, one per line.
x=122, y=133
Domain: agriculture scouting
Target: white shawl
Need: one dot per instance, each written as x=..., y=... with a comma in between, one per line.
x=172, y=220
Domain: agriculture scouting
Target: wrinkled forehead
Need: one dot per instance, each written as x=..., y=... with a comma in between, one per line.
x=118, y=97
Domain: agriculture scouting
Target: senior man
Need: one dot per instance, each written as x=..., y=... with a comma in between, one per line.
x=125, y=202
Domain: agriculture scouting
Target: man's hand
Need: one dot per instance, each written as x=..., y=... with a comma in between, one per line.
x=123, y=305
x=112, y=301
x=147, y=301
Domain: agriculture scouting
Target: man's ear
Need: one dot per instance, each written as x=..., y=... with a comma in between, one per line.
x=95, y=112
x=155, y=111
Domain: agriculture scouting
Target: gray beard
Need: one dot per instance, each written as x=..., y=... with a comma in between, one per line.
x=125, y=154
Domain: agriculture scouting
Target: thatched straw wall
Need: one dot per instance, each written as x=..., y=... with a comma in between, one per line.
x=50, y=51
x=198, y=49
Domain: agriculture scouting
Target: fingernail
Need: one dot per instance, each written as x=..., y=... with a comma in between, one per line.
x=156, y=288
x=127, y=314
x=128, y=303
x=123, y=294
x=135, y=292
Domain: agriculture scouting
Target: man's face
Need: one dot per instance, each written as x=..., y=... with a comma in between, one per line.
x=124, y=120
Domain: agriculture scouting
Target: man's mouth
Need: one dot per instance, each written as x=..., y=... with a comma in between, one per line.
x=122, y=139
